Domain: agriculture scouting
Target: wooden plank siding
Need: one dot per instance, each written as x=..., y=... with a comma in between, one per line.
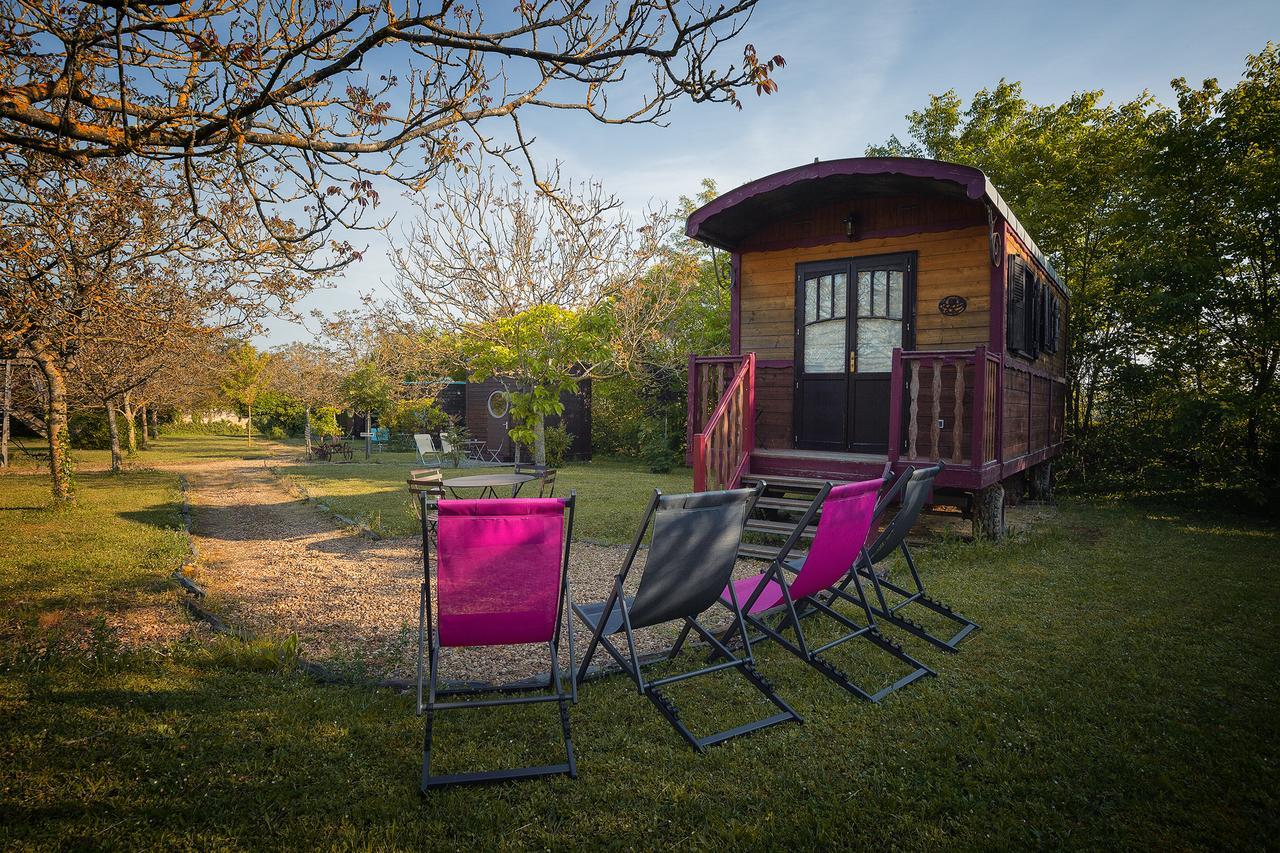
x=949, y=263
x=773, y=407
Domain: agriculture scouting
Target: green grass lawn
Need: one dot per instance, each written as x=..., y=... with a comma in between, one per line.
x=611, y=494
x=116, y=542
x=1121, y=694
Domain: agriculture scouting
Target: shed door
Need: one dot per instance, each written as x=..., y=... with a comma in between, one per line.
x=849, y=316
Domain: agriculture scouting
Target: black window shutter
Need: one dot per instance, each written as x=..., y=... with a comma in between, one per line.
x=1053, y=317
x=1016, y=322
x=1033, y=315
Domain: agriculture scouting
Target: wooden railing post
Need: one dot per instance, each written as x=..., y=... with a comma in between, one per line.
x=978, y=419
x=1000, y=380
x=691, y=406
x=699, y=463
x=749, y=427
x=895, y=406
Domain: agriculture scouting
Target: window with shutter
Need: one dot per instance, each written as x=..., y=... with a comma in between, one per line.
x=1016, y=322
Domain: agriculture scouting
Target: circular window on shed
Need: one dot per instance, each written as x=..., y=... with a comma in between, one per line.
x=498, y=405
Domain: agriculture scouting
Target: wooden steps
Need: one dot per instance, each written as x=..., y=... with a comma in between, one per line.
x=776, y=528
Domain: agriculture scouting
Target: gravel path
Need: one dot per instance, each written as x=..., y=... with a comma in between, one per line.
x=278, y=565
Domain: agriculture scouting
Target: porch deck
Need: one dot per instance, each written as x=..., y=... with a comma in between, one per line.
x=986, y=417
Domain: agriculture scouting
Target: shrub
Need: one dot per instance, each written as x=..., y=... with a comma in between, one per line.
x=197, y=427
x=458, y=436
x=558, y=441
x=278, y=415
x=89, y=430
x=324, y=422
x=656, y=450
x=417, y=415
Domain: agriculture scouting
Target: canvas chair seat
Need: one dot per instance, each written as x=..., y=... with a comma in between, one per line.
x=590, y=614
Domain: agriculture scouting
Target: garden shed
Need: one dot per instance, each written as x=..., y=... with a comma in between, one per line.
x=478, y=405
x=885, y=311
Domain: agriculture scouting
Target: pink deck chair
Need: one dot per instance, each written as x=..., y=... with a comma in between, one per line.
x=790, y=588
x=501, y=579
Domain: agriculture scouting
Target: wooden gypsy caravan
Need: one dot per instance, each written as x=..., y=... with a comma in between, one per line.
x=884, y=310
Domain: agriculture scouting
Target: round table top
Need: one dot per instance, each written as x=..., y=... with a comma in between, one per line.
x=483, y=481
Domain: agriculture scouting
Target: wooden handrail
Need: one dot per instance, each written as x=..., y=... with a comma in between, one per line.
x=723, y=447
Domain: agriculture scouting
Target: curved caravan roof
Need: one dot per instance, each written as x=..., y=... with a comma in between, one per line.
x=734, y=216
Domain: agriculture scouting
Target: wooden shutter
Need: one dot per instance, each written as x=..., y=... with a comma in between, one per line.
x=1053, y=318
x=1035, y=315
x=1016, y=299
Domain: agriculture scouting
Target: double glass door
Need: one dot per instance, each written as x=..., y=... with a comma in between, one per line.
x=850, y=314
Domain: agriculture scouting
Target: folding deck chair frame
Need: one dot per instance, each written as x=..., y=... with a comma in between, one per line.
x=914, y=486
x=616, y=613
x=428, y=637
x=791, y=613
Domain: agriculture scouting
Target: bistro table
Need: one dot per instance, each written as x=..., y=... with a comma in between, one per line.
x=488, y=483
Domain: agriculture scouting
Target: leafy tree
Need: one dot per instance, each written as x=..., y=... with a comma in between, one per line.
x=366, y=391
x=1163, y=221
x=246, y=377
x=310, y=374
x=642, y=410
x=1204, y=274
x=541, y=288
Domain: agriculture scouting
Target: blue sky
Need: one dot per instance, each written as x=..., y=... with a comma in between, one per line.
x=854, y=70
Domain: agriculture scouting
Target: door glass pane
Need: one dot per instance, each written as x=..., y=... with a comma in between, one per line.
x=810, y=302
x=840, y=298
x=876, y=339
x=824, y=347
x=895, y=294
x=881, y=306
x=864, y=294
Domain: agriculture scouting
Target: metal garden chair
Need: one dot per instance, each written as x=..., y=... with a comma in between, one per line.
x=691, y=558
x=793, y=588
x=502, y=579
x=915, y=487
x=428, y=481
x=542, y=472
x=426, y=447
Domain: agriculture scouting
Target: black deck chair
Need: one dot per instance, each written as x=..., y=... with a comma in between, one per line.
x=793, y=589
x=502, y=580
x=915, y=487
x=691, y=558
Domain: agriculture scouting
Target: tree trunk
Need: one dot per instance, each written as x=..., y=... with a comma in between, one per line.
x=306, y=432
x=540, y=440
x=131, y=434
x=4, y=417
x=368, y=436
x=988, y=513
x=114, y=429
x=143, y=437
x=155, y=421
x=56, y=429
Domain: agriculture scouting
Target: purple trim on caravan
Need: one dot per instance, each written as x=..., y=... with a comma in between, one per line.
x=973, y=180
